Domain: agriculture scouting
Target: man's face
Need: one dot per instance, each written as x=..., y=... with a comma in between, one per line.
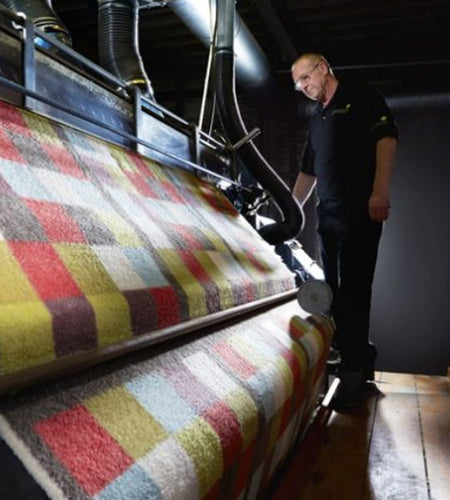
x=310, y=78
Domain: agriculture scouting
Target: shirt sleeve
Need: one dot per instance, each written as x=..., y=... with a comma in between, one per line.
x=307, y=160
x=381, y=120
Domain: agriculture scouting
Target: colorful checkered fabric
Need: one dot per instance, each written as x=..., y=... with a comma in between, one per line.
x=99, y=245
x=213, y=418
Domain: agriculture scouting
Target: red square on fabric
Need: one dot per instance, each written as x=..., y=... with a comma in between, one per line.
x=294, y=365
x=250, y=289
x=287, y=412
x=214, y=492
x=141, y=166
x=224, y=421
x=141, y=185
x=188, y=237
x=56, y=222
x=194, y=266
x=7, y=149
x=218, y=202
x=13, y=120
x=239, y=365
x=167, y=306
x=45, y=270
x=63, y=160
x=243, y=469
x=84, y=448
x=258, y=265
x=174, y=195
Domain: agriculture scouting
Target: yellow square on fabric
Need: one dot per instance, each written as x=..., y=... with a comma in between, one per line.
x=247, y=351
x=122, y=231
x=203, y=446
x=112, y=165
x=127, y=421
x=112, y=316
x=86, y=269
x=42, y=129
x=215, y=239
x=319, y=339
x=122, y=159
x=26, y=336
x=286, y=373
x=194, y=291
x=18, y=289
x=225, y=292
x=246, y=412
x=157, y=171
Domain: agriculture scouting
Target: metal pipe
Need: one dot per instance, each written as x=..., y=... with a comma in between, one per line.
x=252, y=66
x=118, y=42
x=42, y=15
x=258, y=167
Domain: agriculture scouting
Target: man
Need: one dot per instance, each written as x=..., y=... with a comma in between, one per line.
x=350, y=153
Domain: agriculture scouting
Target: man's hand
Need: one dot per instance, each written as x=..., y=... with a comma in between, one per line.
x=379, y=200
x=379, y=206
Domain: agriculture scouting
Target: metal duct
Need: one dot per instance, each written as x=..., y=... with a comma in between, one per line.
x=41, y=13
x=118, y=43
x=292, y=223
x=252, y=67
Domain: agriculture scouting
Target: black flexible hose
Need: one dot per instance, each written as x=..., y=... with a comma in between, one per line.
x=292, y=224
x=118, y=42
x=42, y=15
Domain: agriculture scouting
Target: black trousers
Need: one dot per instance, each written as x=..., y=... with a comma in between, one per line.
x=349, y=246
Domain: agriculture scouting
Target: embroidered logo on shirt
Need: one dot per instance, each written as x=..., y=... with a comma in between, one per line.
x=383, y=120
x=342, y=111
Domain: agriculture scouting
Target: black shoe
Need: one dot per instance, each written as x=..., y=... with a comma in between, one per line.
x=350, y=392
x=369, y=369
x=334, y=356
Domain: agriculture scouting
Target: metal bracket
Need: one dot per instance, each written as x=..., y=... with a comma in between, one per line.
x=196, y=143
x=27, y=33
x=247, y=138
x=233, y=148
x=137, y=117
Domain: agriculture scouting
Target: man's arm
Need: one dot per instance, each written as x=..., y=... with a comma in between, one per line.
x=303, y=187
x=379, y=202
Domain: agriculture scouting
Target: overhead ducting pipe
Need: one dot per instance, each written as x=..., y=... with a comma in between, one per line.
x=292, y=222
x=118, y=42
x=42, y=15
x=252, y=67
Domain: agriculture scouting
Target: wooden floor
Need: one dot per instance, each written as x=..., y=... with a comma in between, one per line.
x=396, y=447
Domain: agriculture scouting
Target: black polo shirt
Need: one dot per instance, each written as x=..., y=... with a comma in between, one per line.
x=341, y=145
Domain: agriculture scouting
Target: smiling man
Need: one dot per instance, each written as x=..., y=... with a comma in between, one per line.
x=349, y=155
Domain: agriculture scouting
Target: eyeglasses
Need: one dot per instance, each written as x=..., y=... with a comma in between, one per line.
x=300, y=83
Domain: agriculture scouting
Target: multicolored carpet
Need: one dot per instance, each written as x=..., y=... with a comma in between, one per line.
x=211, y=418
x=99, y=245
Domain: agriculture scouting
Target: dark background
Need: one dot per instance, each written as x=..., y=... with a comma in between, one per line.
x=403, y=48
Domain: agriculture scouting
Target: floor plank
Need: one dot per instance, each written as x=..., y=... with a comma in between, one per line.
x=341, y=464
x=395, y=447
x=395, y=467
x=434, y=405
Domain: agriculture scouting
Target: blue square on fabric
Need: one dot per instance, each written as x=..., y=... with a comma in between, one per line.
x=160, y=398
x=133, y=483
x=24, y=182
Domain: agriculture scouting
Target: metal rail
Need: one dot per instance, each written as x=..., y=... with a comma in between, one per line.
x=35, y=95
x=71, y=364
x=85, y=67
